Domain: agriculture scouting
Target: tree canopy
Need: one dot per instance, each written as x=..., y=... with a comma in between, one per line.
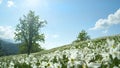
x=82, y=36
x=28, y=30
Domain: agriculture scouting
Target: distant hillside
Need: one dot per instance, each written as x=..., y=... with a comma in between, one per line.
x=100, y=41
x=8, y=48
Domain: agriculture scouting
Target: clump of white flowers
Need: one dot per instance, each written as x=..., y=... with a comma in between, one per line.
x=92, y=55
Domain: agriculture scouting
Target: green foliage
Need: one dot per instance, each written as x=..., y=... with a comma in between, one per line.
x=83, y=35
x=115, y=61
x=28, y=31
x=35, y=48
x=23, y=48
x=64, y=61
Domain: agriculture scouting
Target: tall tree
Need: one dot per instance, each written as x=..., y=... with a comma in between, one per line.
x=28, y=30
x=83, y=35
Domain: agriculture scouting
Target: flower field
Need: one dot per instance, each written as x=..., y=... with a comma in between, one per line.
x=91, y=54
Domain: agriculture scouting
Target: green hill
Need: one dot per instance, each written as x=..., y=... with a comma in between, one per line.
x=101, y=40
x=8, y=48
x=101, y=52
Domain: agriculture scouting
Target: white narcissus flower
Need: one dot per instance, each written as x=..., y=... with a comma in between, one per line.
x=31, y=56
x=106, y=57
x=115, y=52
x=11, y=65
x=27, y=60
x=34, y=60
x=118, y=51
x=71, y=62
x=115, y=67
x=72, y=57
x=21, y=60
x=110, y=42
x=93, y=65
x=50, y=65
x=80, y=55
x=43, y=64
x=57, y=65
x=33, y=65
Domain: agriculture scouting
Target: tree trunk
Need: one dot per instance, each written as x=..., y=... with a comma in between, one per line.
x=30, y=38
x=29, y=46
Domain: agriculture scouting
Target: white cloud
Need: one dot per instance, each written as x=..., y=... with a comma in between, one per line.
x=6, y=32
x=0, y=1
x=10, y=3
x=112, y=19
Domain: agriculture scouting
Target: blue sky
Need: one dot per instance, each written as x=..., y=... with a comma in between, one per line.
x=66, y=18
